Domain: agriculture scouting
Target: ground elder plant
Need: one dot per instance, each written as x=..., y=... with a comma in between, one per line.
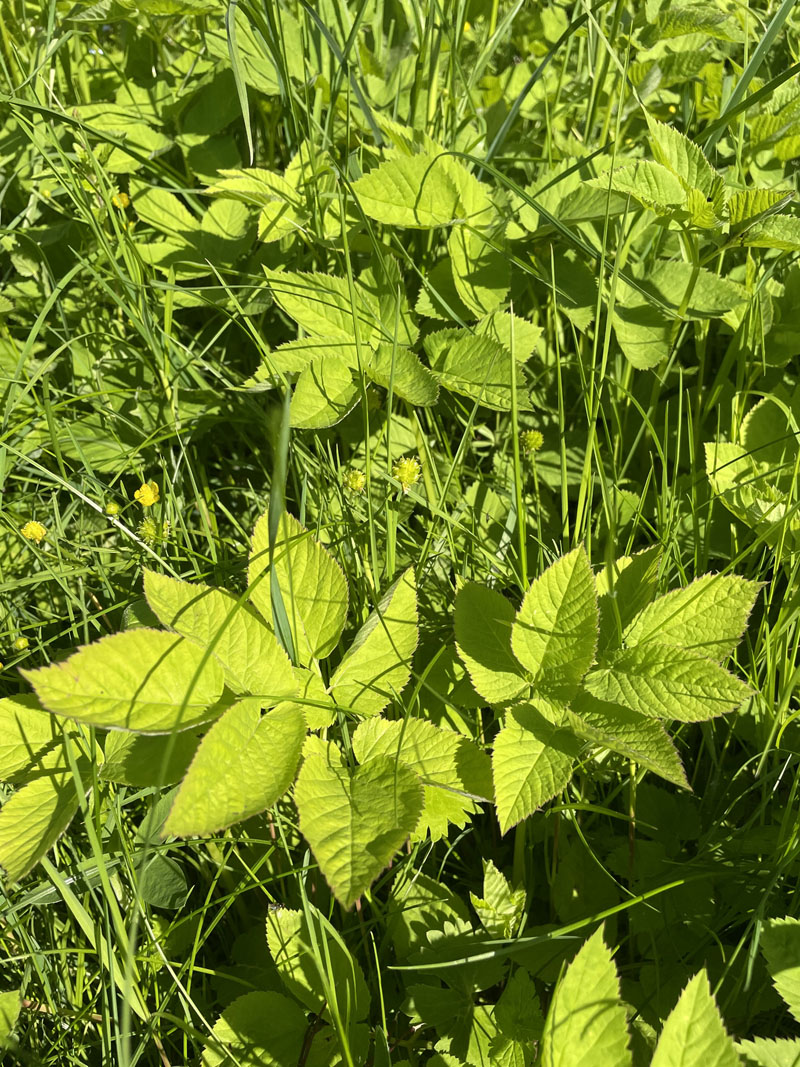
x=399, y=611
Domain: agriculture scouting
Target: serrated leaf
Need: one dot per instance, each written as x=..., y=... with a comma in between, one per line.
x=383, y=285
x=322, y=304
x=780, y=943
x=532, y=762
x=750, y=203
x=162, y=210
x=624, y=588
x=355, y=821
x=141, y=680
x=401, y=369
x=313, y=698
x=693, y=1033
x=639, y=738
x=27, y=734
x=455, y=774
x=139, y=760
x=780, y=231
x=481, y=269
x=291, y=947
x=476, y=366
x=311, y=582
x=244, y=764
x=33, y=819
x=377, y=665
x=253, y=660
x=413, y=191
x=325, y=392
x=501, y=910
x=708, y=616
x=585, y=1026
x=769, y=1052
x=684, y=158
x=555, y=632
x=483, y=623
x=667, y=683
x=653, y=185
x=501, y=324
x=258, y=1030
x=689, y=19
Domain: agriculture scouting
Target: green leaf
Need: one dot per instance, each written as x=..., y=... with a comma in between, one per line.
x=258, y=1030
x=652, y=184
x=518, y=1013
x=709, y=616
x=325, y=392
x=162, y=210
x=253, y=660
x=355, y=821
x=685, y=159
x=780, y=231
x=377, y=665
x=693, y=1035
x=322, y=305
x=383, y=285
x=751, y=203
x=139, y=760
x=414, y=191
x=243, y=765
x=667, y=683
x=555, y=632
x=311, y=582
x=635, y=736
x=483, y=622
x=455, y=774
x=532, y=762
x=501, y=324
x=401, y=369
x=141, y=680
x=780, y=943
x=33, y=819
x=585, y=1026
x=292, y=947
x=476, y=366
x=27, y=733
x=624, y=588
x=769, y=1052
x=314, y=700
x=481, y=269
x=10, y=1005
x=501, y=909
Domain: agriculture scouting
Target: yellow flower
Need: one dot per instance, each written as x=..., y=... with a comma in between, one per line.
x=354, y=480
x=21, y=644
x=34, y=531
x=147, y=494
x=407, y=472
x=120, y=200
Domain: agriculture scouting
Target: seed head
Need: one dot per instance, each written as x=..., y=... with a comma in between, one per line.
x=147, y=494
x=531, y=441
x=34, y=531
x=407, y=471
x=354, y=480
x=151, y=532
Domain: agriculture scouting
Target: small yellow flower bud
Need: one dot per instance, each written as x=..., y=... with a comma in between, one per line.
x=147, y=494
x=120, y=200
x=21, y=644
x=34, y=531
x=354, y=480
x=112, y=508
x=407, y=471
x=531, y=441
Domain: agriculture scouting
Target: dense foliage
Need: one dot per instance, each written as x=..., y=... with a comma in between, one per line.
x=399, y=533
